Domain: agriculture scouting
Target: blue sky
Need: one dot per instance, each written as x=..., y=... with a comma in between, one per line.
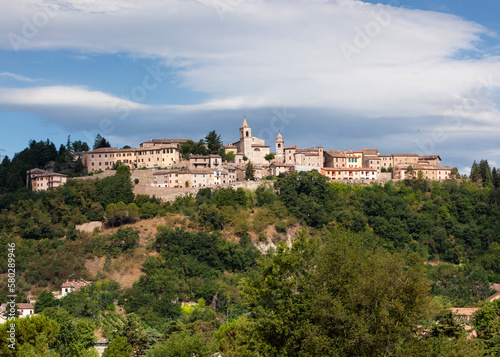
x=404, y=76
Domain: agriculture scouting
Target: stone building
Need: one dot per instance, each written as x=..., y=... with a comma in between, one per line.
x=342, y=159
x=147, y=156
x=253, y=148
x=42, y=180
x=73, y=286
x=349, y=173
x=205, y=161
x=429, y=172
x=159, y=142
x=297, y=156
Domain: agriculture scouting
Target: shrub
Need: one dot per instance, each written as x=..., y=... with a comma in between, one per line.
x=281, y=227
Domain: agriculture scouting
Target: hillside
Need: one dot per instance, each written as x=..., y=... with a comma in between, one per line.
x=232, y=248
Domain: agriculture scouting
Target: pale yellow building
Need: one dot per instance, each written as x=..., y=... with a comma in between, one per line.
x=354, y=173
x=277, y=168
x=151, y=157
x=342, y=159
x=429, y=172
x=172, y=178
x=205, y=161
x=158, y=142
x=42, y=180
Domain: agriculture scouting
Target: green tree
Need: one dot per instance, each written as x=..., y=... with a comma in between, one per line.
x=269, y=157
x=410, y=173
x=112, y=214
x=114, y=189
x=229, y=156
x=76, y=337
x=44, y=300
x=101, y=142
x=183, y=344
x=236, y=339
x=249, y=171
x=37, y=331
x=487, y=325
x=186, y=149
x=78, y=146
x=214, y=143
x=118, y=347
x=485, y=173
x=495, y=177
x=337, y=298
x=475, y=174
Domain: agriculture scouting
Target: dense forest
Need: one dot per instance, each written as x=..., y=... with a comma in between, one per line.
x=300, y=266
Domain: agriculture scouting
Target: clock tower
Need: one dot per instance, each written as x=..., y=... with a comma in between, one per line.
x=280, y=148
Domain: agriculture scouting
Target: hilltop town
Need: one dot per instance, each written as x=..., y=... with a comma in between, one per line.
x=169, y=169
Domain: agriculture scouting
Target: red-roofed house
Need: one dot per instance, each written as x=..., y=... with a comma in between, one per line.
x=23, y=309
x=72, y=286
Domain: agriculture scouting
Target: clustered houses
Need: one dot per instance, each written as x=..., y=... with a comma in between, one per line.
x=368, y=164
x=163, y=155
x=184, y=178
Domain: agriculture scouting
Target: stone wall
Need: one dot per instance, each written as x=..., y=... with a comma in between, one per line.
x=177, y=192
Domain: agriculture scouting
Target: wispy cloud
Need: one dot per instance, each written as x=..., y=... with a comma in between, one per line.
x=19, y=77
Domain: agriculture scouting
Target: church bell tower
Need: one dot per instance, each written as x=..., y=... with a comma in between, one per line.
x=280, y=148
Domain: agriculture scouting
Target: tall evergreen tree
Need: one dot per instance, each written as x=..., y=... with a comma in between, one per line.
x=214, y=143
x=495, y=177
x=475, y=176
x=249, y=171
x=100, y=142
x=485, y=172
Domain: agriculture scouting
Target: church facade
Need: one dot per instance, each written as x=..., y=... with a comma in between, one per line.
x=253, y=148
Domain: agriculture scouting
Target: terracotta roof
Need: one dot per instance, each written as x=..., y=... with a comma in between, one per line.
x=37, y=172
x=201, y=171
x=423, y=167
x=21, y=305
x=169, y=172
x=149, y=148
x=429, y=157
x=405, y=155
x=348, y=169
x=464, y=311
x=105, y=149
x=335, y=153
x=50, y=174
x=75, y=284
x=291, y=147
x=494, y=296
x=166, y=141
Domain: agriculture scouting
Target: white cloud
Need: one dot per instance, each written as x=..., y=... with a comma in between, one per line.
x=344, y=56
x=55, y=96
x=399, y=62
x=18, y=77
